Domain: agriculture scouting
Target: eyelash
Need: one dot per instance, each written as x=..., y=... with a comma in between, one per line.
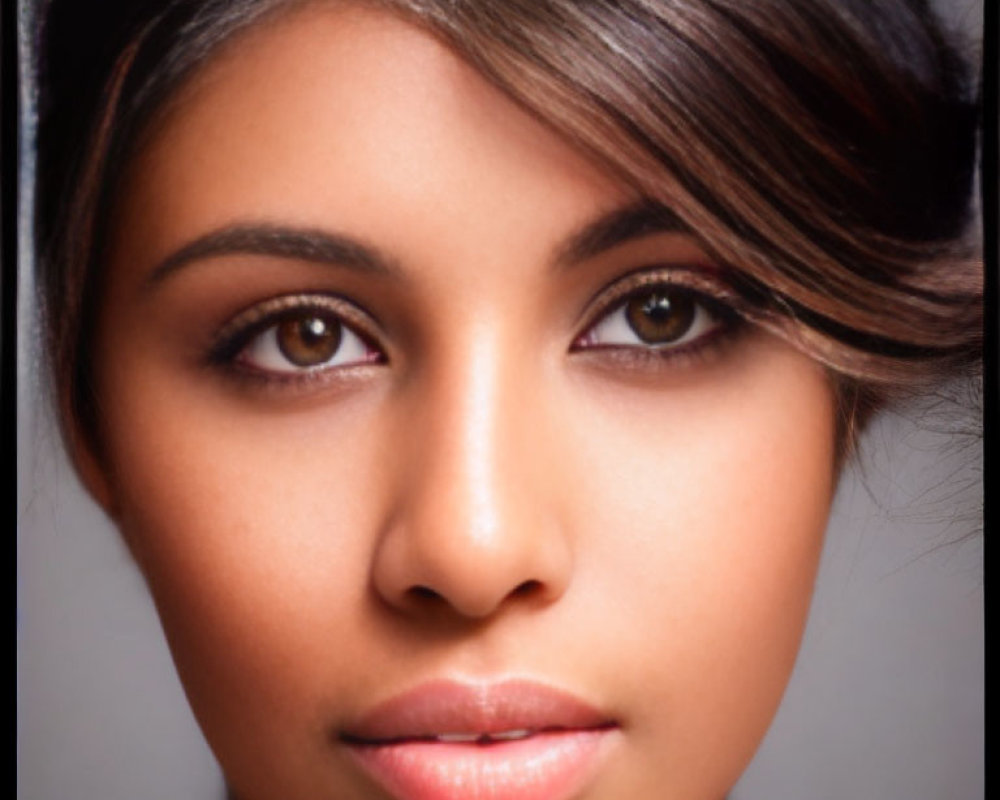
x=259, y=327
x=710, y=303
x=317, y=315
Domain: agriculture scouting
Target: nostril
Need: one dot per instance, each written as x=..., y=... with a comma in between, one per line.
x=425, y=596
x=423, y=593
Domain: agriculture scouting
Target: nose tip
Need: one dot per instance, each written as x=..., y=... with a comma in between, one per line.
x=439, y=562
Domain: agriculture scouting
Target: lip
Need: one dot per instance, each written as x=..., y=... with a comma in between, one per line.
x=506, y=740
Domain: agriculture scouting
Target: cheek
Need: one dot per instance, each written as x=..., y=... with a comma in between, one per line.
x=703, y=547
x=246, y=527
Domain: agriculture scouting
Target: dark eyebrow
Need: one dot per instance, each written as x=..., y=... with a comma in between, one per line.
x=619, y=226
x=308, y=244
x=324, y=247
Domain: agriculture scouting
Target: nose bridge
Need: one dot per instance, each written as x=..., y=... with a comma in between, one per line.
x=473, y=444
x=468, y=530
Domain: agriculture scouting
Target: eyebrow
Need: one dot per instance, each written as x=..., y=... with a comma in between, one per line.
x=324, y=247
x=306, y=244
x=632, y=222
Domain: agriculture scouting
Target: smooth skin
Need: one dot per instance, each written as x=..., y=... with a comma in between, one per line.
x=480, y=497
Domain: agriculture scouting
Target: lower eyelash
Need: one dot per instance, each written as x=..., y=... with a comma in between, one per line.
x=280, y=384
x=698, y=352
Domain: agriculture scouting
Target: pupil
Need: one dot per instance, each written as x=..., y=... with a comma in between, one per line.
x=308, y=341
x=661, y=316
x=657, y=308
x=313, y=330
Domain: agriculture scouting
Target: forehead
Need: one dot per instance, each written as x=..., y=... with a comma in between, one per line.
x=328, y=115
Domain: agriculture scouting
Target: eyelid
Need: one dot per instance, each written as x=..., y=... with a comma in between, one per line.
x=695, y=279
x=241, y=329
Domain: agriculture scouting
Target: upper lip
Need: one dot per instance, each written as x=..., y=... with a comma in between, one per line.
x=446, y=708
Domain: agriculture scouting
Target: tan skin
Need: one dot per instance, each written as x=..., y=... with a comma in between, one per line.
x=489, y=478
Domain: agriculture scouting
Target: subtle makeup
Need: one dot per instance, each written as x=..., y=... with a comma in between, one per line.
x=452, y=465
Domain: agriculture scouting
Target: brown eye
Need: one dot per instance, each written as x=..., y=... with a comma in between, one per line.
x=308, y=341
x=658, y=317
x=661, y=315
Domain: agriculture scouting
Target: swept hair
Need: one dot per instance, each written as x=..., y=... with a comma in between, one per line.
x=823, y=150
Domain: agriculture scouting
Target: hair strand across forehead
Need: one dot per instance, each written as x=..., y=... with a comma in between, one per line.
x=821, y=151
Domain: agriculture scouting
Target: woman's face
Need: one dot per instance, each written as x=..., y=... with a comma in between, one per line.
x=448, y=476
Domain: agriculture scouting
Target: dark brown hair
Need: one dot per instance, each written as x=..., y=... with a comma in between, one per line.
x=822, y=149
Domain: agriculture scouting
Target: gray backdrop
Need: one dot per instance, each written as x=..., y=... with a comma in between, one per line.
x=886, y=701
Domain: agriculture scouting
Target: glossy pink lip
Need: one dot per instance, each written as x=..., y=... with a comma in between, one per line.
x=511, y=740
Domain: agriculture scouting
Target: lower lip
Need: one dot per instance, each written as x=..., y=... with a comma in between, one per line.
x=546, y=766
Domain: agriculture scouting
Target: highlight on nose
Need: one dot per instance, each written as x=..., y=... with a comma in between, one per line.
x=473, y=525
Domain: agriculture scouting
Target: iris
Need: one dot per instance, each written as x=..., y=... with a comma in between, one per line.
x=661, y=315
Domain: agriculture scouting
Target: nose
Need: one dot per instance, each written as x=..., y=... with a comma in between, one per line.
x=474, y=527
